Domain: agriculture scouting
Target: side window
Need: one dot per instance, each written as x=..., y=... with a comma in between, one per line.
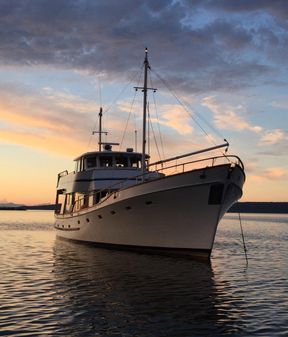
x=77, y=166
x=135, y=162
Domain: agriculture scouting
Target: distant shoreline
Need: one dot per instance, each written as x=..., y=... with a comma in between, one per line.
x=242, y=207
x=260, y=207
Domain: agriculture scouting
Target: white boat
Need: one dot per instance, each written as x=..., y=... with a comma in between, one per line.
x=118, y=200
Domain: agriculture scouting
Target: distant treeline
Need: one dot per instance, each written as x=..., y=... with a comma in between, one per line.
x=242, y=207
x=259, y=207
x=24, y=207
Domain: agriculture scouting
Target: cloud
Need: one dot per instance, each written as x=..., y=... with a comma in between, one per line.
x=273, y=173
x=176, y=117
x=53, y=143
x=228, y=117
x=259, y=174
x=109, y=36
x=172, y=115
x=278, y=8
x=273, y=137
x=52, y=120
x=280, y=104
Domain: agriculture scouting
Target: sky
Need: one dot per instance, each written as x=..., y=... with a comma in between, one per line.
x=219, y=64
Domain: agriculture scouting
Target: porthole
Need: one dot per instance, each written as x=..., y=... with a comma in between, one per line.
x=100, y=216
x=78, y=222
x=128, y=208
x=113, y=212
x=87, y=220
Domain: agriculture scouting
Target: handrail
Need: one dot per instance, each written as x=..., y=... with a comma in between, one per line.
x=191, y=154
x=239, y=162
x=108, y=192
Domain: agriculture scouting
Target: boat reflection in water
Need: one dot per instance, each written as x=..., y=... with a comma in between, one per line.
x=113, y=293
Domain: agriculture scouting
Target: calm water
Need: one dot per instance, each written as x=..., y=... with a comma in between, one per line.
x=54, y=288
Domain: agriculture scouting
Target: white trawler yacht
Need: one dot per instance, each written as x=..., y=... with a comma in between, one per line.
x=117, y=199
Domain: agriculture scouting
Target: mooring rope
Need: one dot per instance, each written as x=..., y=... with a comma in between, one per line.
x=243, y=239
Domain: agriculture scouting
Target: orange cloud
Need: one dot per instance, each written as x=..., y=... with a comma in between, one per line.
x=228, y=117
x=52, y=143
x=273, y=137
x=273, y=173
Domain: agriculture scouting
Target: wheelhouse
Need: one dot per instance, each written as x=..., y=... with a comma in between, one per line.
x=113, y=160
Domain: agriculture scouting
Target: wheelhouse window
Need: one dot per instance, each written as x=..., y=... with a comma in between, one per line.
x=106, y=161
x=121, y=161
x=90, y=162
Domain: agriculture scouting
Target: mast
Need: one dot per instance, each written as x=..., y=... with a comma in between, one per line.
x=144, y=90
x=100, y=128
x=146, y=66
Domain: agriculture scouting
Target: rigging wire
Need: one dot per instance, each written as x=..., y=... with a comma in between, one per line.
x=154, y=136
x=148, y=128
x=131, y=80
x=158, y=121
x=188, y=112
x=100, y=101
x=121, y=92
x=127, y=121
x=131, y=107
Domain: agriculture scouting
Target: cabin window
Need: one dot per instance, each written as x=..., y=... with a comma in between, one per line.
x=60, y=203
x=81, y=201
x=121, y=161
x=90, y=162
x=106, y=161
x=67, y=203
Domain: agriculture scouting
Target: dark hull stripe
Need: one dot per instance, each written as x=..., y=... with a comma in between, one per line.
x=105, y=179
x=195, y=254
x=67, y=229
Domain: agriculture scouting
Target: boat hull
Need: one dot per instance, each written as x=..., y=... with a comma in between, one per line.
x=178, y=214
